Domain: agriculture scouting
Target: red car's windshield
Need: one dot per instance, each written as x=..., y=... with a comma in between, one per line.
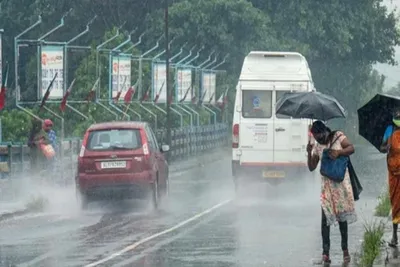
x=114, y=139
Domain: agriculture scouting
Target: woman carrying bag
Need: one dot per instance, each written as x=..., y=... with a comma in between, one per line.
x=337, y=199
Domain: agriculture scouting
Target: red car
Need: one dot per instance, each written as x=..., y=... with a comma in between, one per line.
x=121, y=159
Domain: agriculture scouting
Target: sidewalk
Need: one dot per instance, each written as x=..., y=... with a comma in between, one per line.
x=12, y=189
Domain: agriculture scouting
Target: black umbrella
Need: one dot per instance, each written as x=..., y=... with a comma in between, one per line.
x=375, y=116
x=310, y=105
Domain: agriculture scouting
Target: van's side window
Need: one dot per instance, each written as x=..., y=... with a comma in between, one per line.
x=257, y=104
x=279, y=94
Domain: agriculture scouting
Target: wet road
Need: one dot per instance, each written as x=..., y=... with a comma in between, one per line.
x=202, y=224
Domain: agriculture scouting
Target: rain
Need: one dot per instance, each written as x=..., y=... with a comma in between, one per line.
x=184, y=133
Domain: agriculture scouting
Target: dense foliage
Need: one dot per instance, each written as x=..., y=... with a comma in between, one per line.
x=341, y=40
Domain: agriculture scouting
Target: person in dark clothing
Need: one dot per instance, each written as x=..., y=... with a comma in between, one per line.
x=37, y=136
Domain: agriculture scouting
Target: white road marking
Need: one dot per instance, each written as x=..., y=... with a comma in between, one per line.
x=142, y=241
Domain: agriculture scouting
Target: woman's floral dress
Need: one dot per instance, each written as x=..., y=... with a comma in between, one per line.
x=337, y=199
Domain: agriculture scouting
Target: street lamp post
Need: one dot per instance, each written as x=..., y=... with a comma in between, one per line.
x=167, y=75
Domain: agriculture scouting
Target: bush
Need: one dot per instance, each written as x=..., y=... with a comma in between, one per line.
x=383, y=208
x=372, y=243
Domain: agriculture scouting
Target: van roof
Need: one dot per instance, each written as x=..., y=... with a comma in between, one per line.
x=117, y=124
x=275, y=66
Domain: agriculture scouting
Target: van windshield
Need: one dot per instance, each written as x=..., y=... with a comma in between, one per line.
x=114, y=139
x=257, y=104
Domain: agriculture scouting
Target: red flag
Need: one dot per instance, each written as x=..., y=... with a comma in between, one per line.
x=92, y=92
x=46, y=95
x=2, y=97
x=202, y=98
x=145, y=96
x=64, y=100
x=186, y=94
x=3, y=90
x=129, y=94
x=223, y=99
x=159, y=93
x=90, y=96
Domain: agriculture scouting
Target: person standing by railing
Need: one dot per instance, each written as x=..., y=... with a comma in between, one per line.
x=37, y=138
x=48, y=128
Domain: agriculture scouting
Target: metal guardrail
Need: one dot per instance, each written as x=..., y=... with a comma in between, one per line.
x=186, y=142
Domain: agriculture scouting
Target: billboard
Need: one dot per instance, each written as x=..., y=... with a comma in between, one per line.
x=52, y=61
x=184, y=81
x=208, y=85
x=121, y=75
x=1, y=58
x=159, y=80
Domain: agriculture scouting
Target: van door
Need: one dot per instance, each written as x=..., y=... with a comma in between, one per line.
x=256, y=127
x=290, y=137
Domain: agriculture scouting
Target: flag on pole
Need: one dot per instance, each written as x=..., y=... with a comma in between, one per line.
x=129, y=94
x=223, y=99
x=3, y=89
x=64, y=100
x=92, y=92
x=158, y=93
x=202, y=98
x=186, y=94
x=116, y=98
x=145, y=96
x=46, y=95
x=211, y=98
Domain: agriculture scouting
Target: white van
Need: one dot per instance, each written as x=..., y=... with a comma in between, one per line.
x=264, y=144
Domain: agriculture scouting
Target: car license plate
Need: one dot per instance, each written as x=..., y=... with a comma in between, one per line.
x=113, y=164
x=273, y=174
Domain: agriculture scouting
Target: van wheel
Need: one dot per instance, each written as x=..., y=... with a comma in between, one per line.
x=154, y=195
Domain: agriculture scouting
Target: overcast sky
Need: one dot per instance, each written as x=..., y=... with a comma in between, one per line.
x=391, y=72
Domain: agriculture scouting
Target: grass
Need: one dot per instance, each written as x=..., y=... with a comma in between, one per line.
x=371, y=246
x=383, y=208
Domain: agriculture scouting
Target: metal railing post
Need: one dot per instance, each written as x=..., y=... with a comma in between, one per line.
x=194, y=111
x=187, y=112
x=141, y=67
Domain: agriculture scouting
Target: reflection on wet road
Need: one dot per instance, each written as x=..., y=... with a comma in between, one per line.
x=264, y=226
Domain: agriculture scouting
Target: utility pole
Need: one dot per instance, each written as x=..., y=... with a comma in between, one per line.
x=169, y=95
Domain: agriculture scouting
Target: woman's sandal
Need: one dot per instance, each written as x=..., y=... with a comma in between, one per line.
x=326, y=259
x=346, y=256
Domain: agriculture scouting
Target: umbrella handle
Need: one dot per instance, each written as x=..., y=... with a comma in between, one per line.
x=311, y=138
